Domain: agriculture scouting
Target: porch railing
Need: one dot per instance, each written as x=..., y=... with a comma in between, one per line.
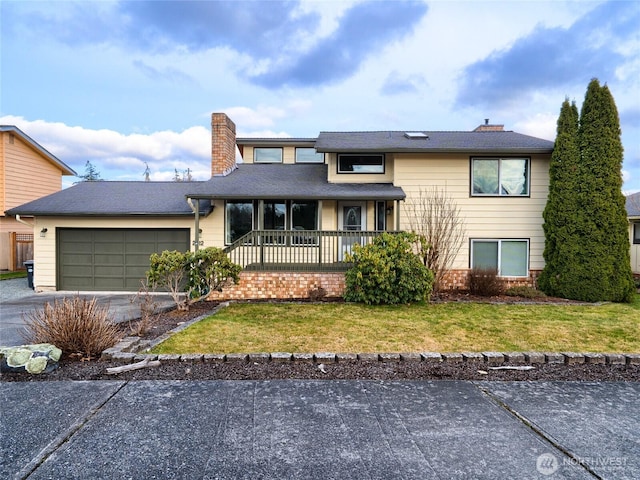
x=296, y=250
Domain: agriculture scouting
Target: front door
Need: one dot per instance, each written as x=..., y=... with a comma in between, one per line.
x=352, y=217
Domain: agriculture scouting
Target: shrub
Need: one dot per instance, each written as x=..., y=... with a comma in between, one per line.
x=387, y=272
x=193, y=274
x=74, y=325
x=524, y=291
x=485, y=282
x=148, y=311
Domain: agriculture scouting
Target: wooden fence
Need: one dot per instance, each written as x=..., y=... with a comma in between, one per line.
x=20, y=250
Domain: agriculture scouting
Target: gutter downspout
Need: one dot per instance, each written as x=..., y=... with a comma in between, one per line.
x=18, y=219
x=196, y=211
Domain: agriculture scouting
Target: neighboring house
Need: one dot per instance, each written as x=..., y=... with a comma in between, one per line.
x=27, y=171
x=291, y=209
x=633, y=212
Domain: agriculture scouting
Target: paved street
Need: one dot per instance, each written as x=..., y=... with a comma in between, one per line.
x=320, y=429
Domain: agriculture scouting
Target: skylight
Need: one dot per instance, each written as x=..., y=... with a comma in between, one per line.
x=416, y=135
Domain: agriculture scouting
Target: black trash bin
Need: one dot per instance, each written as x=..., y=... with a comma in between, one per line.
x=29, y=266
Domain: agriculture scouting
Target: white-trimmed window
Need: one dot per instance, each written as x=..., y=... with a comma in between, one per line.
x=636, y=233
x=267, y=155
x=510, y=257
x=360, y=163
x=500, y=177
x=308, y=155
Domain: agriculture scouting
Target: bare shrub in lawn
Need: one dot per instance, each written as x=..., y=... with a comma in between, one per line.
x=75, y=325
x=148, y=311
x=485, y=282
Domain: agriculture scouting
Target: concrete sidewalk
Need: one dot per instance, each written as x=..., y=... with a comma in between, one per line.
x=298, y=429
x=17, y=299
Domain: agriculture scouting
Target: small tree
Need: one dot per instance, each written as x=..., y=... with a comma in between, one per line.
x=387, y=272
x=191, y=274
x=91, y=173
x=436, y=219
x=169, y=271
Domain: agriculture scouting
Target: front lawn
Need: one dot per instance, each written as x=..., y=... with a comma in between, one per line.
x=445, y=327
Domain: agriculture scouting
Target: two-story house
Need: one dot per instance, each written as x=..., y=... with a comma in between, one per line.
x=27, y=171
x=291, y=209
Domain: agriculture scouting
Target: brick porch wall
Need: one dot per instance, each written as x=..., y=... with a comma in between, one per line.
x=281, y=285
x=289, y=285
x=459, y=280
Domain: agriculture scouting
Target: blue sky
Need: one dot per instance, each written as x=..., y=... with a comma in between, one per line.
x=129, y=84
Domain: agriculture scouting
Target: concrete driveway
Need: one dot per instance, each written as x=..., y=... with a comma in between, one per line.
x=297, y=429
x=17, y=299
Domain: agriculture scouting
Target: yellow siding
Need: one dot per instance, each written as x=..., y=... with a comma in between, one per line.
x=45, y=248
x=27, y=175
x=484, y=217
x=288, y=153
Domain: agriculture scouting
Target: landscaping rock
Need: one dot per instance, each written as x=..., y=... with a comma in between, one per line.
x=33, y=359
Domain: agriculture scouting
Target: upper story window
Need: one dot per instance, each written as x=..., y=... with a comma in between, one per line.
x=308, y=155
x=636, y=233
x=500, y=176
x=360, y=163
x=267, y=155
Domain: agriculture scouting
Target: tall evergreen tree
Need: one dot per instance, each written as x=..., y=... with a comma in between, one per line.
x=605, y=266
x=589, y=254
x=561, y=239
x=91, y=173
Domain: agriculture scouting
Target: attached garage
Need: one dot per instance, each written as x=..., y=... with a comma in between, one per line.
x=110, y=259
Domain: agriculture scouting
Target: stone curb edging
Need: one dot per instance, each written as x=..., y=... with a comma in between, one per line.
x=132, y=349
x=484, y=358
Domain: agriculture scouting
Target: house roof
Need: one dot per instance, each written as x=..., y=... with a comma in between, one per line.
x=276, y=141
x=408, y=141
x=291, y=181
x=633, y=205
x=114, y=199
x=66, y=170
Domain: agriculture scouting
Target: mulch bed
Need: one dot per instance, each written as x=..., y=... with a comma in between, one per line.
x=74, y=369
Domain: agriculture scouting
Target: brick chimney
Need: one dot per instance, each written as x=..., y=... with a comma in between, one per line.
x=487, y=127
x=223, y=145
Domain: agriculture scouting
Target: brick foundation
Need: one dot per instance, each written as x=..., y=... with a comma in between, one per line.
x=282, y=285
x=289, y=285
x=459, y=280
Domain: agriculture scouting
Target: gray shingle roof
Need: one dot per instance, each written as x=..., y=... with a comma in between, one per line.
x=113, y=199
x=633, y=205
x=288, y=181
x=66, y=170
x=477, y=142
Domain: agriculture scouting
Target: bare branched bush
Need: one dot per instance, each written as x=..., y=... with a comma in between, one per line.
x=148, y=311
x=485, y=282
x=436, y=218
x=74, y=325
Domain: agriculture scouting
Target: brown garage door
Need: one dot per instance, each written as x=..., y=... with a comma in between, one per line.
x=111, y=259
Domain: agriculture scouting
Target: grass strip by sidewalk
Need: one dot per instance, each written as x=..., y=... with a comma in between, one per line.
x=446, y=327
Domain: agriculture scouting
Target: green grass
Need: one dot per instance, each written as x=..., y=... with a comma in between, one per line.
x=445, y=327
x=10, y=275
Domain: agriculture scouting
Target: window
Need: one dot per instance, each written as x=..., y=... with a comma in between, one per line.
x=381, y=216
x=636, y=233
x=500, y=176
x=276, y=214
x=308, y=155
x=238, y=221
x=509, y=257
x=360, y=163
x=267, y=155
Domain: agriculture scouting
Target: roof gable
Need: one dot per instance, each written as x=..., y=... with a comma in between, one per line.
x=66, y=170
